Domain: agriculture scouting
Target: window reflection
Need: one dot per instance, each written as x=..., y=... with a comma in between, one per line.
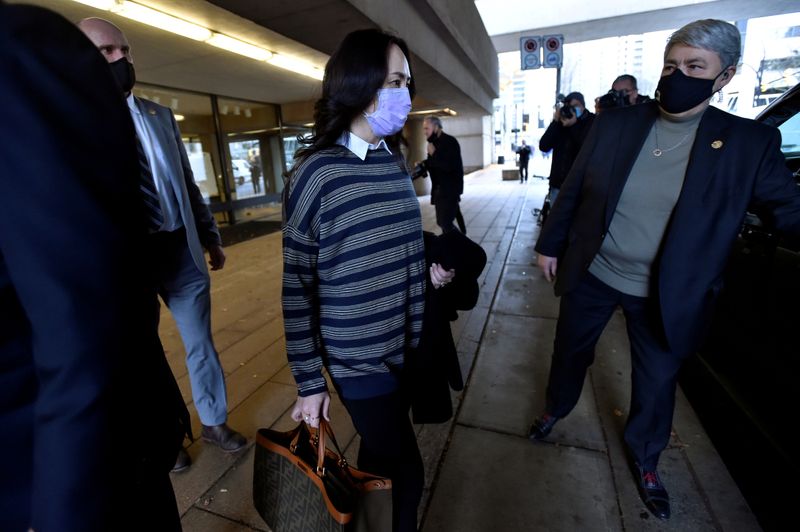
x=252, y=138
x=195, y=120
x=291, y=144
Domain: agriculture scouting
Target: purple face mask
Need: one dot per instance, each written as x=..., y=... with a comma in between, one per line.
x=391, y=112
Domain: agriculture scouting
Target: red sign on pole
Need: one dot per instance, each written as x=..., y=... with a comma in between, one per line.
x=530, y=54
x=554, y=51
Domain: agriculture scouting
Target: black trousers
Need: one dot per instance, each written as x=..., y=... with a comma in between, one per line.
x=447, y=210
x=583, y=315
x=389, y=448
x=523, y=171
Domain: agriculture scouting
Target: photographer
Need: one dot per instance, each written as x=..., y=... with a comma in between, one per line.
x=565, y=136
x=623, y=92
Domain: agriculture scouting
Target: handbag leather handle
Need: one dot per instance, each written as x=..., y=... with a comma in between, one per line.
x=323, y=432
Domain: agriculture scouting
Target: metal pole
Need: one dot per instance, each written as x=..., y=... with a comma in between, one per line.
x=558, y=82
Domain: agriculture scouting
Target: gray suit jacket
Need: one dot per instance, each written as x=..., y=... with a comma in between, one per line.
x=201, y=228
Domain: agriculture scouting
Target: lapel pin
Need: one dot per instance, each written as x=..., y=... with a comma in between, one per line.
x=153, y=112
x=717, y=144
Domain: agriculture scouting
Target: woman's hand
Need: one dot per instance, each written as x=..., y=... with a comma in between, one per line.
x=311, y=408
x=440, y=276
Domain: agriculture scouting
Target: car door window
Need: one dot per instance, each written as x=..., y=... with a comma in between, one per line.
x=790, y=133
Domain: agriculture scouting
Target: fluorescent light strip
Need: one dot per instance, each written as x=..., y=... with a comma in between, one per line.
x=239, y=47
x=445, y=111
x=296, y=65
x=163, y=21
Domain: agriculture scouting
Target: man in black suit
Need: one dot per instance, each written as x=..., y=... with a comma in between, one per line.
x=646, y=220
x=524, y=153
x=82, y=373
x=447, y=174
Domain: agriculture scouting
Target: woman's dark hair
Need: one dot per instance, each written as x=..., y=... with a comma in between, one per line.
x=353, y=75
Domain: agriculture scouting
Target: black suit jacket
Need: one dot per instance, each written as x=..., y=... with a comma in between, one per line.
x=81, y=367
x=734, y=163
x=446, y=167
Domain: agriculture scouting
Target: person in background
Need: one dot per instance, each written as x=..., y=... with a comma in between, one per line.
x=650, y=229
x=180, y=225
x=255, y=172
x=524, y=152
x=624, y=92
x=354, y=264
x=447, y=174
x=565, y=135
x=82, y=371
x=627, y=85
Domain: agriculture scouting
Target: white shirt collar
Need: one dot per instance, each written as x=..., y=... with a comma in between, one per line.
x=132, y=104
x=359, y=146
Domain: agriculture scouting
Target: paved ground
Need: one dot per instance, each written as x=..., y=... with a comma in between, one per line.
x=482, y=473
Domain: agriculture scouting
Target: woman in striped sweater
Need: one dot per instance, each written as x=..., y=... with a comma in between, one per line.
x=354, y=262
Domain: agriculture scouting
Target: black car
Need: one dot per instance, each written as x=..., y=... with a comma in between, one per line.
x=745, y=383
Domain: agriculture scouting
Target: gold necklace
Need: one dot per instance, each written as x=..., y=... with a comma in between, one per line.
x=658, y=152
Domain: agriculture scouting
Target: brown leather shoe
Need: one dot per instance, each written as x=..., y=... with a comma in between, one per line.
x=223, y=437
x=182, y=462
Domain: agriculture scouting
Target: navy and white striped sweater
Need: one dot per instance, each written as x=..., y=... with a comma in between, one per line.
x=353, y=272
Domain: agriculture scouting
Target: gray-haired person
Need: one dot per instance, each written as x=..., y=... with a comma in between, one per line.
x=447, y=174
x=646, y=220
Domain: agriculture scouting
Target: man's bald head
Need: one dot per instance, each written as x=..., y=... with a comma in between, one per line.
x=108, y=38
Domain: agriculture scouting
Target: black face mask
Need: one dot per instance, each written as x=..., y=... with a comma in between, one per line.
x=677, y=92
x=124, y=74
x=433, y=136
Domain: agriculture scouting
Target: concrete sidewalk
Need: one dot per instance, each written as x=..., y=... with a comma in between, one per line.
x=482, y=473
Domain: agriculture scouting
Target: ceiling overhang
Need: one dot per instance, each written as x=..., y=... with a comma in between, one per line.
x=647, y=21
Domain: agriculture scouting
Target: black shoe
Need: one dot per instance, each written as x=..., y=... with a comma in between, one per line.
x=542, y=427
x=182, y=462
x=223, y=437
x=652, y=491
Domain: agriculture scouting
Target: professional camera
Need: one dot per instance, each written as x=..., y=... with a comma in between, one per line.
x=419, y=171
x=565, y=112
x=613, y=99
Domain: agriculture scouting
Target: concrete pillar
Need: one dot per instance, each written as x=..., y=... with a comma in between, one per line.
x=474, y=135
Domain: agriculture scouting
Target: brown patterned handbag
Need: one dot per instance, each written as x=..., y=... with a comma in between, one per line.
x=299, y=485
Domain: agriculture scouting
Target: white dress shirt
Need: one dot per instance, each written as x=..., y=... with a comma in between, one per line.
x=359, y=146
